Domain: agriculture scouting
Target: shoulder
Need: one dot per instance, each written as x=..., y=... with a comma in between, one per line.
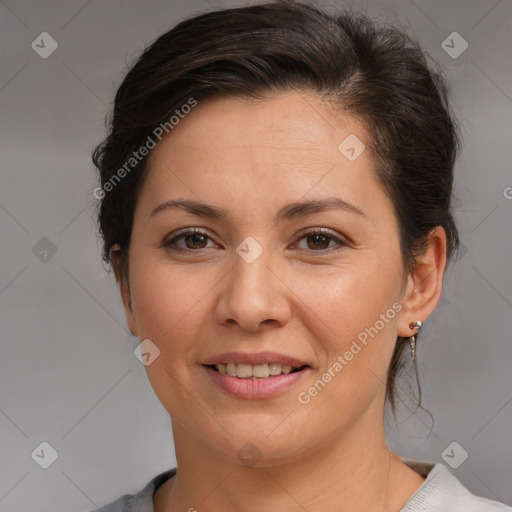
x=442, y=492
x=142, y=501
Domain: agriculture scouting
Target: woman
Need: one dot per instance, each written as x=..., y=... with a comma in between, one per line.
x=275, y=203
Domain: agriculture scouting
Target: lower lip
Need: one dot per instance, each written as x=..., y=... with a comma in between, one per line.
x=254, y=388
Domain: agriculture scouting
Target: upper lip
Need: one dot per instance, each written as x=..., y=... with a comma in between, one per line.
x=253, y=359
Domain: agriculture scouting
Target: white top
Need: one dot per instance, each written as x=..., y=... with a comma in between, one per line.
x=440, y=492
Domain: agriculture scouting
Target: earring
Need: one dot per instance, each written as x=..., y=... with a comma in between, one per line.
x=417, y=325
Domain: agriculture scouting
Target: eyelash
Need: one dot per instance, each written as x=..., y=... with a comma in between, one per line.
x=169, y=244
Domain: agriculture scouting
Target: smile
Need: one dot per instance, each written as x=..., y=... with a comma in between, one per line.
x=246, y=384
x=257, y=371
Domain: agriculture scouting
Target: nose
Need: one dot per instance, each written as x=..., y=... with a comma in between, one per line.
x=253, y=296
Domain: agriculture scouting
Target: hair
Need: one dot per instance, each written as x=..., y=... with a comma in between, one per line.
x=375, y=74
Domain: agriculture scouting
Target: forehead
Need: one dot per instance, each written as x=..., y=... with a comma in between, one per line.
x=298, y=120
x=278, y=148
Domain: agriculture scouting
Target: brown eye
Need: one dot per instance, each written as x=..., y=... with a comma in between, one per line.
x=320, y=240
x=191, y=240
x=195, y=241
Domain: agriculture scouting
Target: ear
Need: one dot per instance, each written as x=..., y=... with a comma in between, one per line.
x=424, y=283
x=124, y=287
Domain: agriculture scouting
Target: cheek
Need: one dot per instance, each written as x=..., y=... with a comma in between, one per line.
x=352, y=314
x=168, y=303
x=346, y=300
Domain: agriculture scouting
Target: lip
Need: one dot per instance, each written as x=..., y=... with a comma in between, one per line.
x=253, y=359
x=254, y=388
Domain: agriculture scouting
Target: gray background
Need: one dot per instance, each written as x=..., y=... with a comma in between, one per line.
x=68, y=375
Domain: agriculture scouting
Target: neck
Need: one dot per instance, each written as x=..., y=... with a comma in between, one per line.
x=355, y=473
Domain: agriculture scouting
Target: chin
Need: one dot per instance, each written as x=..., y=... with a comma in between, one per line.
x=257, y=443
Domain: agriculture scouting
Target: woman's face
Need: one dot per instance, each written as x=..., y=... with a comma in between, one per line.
x=297, y=257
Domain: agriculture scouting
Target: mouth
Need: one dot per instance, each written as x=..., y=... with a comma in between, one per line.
x=256, y=371
x=255, y=376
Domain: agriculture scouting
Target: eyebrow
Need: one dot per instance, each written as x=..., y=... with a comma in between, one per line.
x=288, y=212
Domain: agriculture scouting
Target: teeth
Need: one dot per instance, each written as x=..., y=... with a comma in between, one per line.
x=274, y=368
x=243, y=371
x=286, y=368
x=260, y=371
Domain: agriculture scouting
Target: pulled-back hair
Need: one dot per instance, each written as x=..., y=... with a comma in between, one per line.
x=376, y=74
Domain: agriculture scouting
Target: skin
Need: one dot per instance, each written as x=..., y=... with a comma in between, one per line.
x=304, y=297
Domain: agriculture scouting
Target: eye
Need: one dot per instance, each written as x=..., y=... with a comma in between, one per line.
x=192, y=240
x=319, y=240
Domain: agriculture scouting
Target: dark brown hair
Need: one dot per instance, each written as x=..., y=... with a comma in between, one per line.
x=376, y=74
